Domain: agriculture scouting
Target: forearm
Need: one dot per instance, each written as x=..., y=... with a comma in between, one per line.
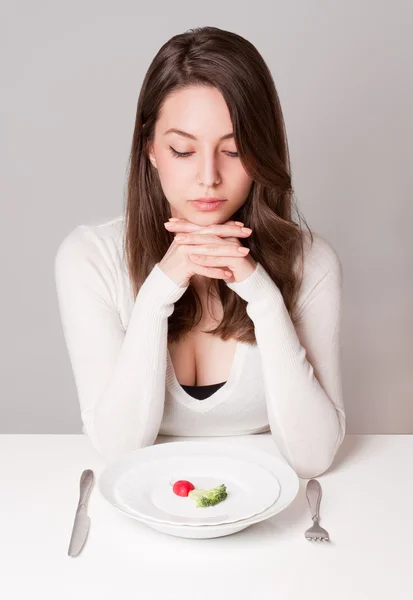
x=307, y=423
x=128, y=413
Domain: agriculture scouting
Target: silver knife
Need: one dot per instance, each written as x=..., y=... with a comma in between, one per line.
x=82, y=521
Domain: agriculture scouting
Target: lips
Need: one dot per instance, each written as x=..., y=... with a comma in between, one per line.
x=208, y=199
x=208, y=204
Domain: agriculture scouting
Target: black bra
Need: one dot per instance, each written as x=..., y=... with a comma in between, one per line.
x=202, y=391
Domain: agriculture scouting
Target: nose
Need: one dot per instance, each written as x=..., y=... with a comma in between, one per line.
x=209, y=174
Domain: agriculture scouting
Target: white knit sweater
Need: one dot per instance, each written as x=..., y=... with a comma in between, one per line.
x=288, y=383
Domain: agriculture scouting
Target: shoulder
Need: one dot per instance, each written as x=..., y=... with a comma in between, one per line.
x=320, y=256
x=88, y=265
x=100, y=242
x=322, y=268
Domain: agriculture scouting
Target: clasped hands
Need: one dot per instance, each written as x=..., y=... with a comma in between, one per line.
x=216, y=245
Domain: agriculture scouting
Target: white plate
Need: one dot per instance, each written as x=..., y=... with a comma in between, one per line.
x=285, y=475
x=145, y=489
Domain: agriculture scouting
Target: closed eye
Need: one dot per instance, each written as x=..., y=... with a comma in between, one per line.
x=186, y=154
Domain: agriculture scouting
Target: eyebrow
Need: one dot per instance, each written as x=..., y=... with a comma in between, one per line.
x=192, y=137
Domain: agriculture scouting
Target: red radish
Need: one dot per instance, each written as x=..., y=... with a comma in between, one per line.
x=182, y=487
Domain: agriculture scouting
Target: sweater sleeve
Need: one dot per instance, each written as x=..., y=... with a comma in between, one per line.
x=119, y=375
x=301, y=364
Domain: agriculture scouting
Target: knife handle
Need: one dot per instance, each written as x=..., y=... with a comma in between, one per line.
x=86, y=485
x=313, y=493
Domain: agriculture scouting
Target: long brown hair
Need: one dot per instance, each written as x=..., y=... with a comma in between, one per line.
x=213, y=57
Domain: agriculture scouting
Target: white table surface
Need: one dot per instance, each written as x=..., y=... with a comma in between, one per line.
x=366, y=506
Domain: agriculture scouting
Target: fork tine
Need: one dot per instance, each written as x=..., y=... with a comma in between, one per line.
x=313, y=493
x=317, y=533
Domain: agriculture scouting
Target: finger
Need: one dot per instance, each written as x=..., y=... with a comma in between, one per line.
x=199, y=239
x=234, y=223
x=178, y=226
x=223, y=230
x=217, y=250
x=203, y=237
x=215, y=261
x=212, y=272
x=176, y=219
x=227, y=230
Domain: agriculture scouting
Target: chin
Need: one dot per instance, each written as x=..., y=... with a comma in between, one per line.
x=207, y=217
x=210, y=221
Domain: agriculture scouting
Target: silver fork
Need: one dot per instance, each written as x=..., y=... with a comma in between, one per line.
x=313, y=493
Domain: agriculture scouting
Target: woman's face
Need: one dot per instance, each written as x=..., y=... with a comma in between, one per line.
x=211, y=167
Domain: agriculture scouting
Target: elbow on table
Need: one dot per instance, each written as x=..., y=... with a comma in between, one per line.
x=309, y=465
x=111, y=447
x=111, y=452
x=309, y=470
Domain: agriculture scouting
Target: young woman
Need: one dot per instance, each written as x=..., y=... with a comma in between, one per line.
x=228, y=330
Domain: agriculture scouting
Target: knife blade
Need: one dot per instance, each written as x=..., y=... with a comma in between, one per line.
x=81, y=523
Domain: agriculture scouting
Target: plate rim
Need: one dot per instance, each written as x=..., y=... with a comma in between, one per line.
x=244, y=462
x=202, y=447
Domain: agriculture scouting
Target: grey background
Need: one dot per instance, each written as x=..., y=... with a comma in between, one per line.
x=71, y=77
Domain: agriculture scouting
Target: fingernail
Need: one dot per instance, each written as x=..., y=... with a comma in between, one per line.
x=180, y=237
x=168, y=224
x=246, y=230
x=238, y=223
x=243, y=250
